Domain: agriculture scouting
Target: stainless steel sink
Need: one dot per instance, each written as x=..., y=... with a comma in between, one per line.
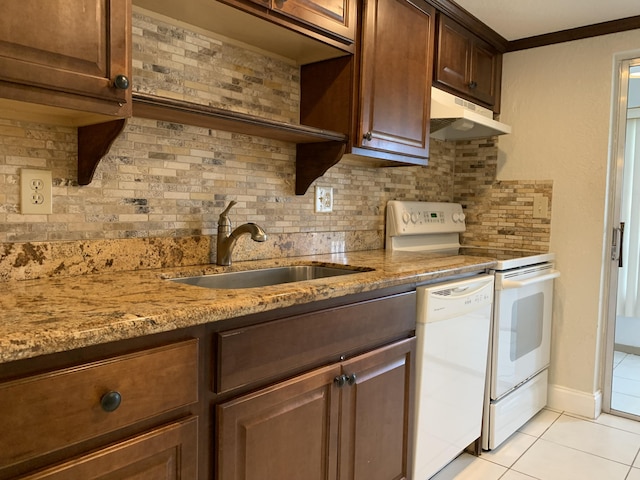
x=267, y=276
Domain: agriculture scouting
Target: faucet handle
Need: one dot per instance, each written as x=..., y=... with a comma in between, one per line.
x=226, y=210
x=223, y=220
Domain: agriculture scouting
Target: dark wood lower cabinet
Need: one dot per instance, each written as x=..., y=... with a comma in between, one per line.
x=322, y=392
x=375, y=430
x=289, y=430
x=166, y=453
x=347, y=421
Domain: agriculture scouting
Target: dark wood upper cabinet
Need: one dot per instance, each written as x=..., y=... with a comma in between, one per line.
x=466, y=65
x=333, y=21
x=338, y=17
x=74, y=55
x=395, y=84
x=69, y=62
x=380, y=97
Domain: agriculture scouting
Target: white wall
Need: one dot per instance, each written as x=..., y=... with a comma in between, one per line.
x=558, y=101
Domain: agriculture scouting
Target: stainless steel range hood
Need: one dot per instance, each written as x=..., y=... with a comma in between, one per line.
x=453, y=118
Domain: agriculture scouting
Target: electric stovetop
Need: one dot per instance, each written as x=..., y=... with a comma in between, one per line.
x=508, y=259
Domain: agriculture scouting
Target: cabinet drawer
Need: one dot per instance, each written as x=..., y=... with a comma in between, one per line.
x=275, y=349
x=53, y=410
x=164, y=453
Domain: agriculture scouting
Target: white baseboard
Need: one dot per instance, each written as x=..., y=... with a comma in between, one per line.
x=565, y=399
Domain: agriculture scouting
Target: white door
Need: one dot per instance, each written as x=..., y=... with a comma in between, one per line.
x=623, y=304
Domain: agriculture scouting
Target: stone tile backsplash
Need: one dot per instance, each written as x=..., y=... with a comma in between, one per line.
x=155, y=198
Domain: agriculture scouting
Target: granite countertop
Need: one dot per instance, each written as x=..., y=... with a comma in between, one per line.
x=39, y=317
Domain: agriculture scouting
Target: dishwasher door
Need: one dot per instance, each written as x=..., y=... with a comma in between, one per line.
x=452, y=333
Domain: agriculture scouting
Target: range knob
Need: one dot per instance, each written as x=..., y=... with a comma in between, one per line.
x=406, y=217
x=458, y=217
x=414, y=217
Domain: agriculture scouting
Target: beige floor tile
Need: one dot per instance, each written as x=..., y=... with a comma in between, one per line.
x=550, y=461
x=538, y=424
x=594, y=438
x=511, y=450
x=468, y=467
x=512, y=475
x=621, y=423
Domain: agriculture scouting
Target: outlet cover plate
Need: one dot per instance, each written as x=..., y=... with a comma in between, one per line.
x=35, y=191
x=324, y=199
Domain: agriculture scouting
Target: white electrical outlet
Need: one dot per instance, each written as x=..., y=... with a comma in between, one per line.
x=324, y=199
x=35, y=191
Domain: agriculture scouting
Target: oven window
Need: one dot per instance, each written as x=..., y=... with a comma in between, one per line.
x=526, y=325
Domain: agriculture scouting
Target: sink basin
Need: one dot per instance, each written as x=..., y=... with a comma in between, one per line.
x=267, y=276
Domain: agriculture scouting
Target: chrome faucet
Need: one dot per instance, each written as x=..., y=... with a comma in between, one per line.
x=227, y=239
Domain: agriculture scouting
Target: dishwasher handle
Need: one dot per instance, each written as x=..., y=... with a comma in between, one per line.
x=462, y=291
x=506, y=284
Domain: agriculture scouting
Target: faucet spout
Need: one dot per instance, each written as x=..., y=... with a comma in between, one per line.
x=227, y=239
x=253, y=229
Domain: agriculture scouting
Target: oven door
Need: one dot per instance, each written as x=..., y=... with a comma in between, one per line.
x=522, y=326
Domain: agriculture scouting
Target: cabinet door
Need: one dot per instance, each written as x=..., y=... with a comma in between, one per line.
x=167, y=453
x=285, y=431
x=336, y=17
x=75, y=48
x=376, y=436
x=397, y=57
x=467, y=64
x=453, y=59
x=486, y=68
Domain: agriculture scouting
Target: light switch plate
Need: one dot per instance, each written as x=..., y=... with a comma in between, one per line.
x=540, y=207
x=35, y=192
x=324, y=199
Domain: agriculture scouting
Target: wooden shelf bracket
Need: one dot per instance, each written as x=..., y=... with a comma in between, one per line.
x=94, y=141
x=313, y=160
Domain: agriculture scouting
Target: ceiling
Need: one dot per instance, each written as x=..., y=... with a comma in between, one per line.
x=516, y=19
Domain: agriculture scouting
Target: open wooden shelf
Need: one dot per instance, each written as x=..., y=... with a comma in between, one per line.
x=317, y=149
x=177, y=111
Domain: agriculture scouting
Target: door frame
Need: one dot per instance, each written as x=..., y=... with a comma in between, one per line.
x=617, y=141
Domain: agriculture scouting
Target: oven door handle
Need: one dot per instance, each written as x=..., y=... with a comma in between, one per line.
x=530, y=281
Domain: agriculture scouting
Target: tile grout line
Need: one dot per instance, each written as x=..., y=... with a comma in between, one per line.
x=537, y=437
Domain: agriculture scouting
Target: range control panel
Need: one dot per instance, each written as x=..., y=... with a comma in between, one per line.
x=417, y=218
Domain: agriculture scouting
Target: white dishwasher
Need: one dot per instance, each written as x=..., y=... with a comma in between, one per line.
x=452, y=333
